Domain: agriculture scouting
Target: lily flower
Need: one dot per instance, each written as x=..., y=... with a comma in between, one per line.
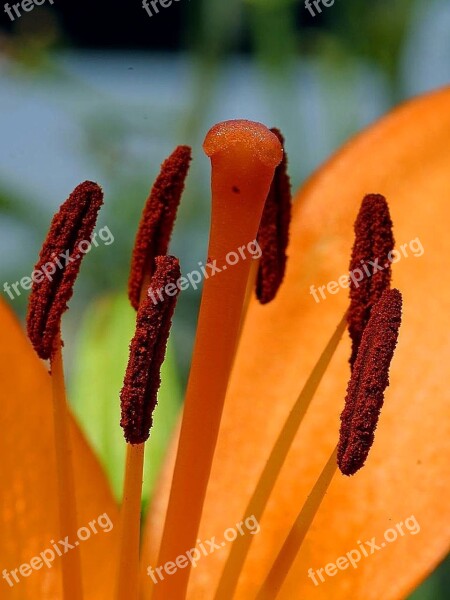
x=251, y=457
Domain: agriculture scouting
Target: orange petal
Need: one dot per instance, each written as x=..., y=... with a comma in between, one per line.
x=406, y=157
x=28, y=507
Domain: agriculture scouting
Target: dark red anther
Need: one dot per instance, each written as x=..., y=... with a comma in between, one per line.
x=273, y=234
x=147, y=351
x=158, y=217
x=369, y=379
x=370, y=268
x=59, y=263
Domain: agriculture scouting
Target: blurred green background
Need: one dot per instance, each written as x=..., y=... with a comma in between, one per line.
x=105, y=92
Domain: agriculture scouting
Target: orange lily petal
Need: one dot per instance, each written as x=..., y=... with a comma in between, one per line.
x=406, y=157
x=28, y=508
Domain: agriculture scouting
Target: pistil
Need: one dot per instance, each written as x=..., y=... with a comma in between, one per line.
x=244, y=156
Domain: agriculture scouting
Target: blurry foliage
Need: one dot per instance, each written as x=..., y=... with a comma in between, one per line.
x=437, y=586
x=374, y=30
x=274, y=33
x=14, y=205
x=34, y=37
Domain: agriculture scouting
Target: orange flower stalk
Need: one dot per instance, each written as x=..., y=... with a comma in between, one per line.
x=272, y=425
x=243, y=156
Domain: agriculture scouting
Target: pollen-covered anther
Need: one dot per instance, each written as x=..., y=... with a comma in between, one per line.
x=59, y=264
x=158, y=217
x=369, y=379
x=147, y=351
x=370, y=267
x=273, y=234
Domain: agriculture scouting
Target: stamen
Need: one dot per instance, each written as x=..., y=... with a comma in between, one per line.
x=158, y=217
x=273, y=234
x=139, y=398
x=373, y=242
x=58, y=265
x=147, y=351
x=370, y=377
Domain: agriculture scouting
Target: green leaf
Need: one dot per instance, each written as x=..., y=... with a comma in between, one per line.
x=100, y=361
